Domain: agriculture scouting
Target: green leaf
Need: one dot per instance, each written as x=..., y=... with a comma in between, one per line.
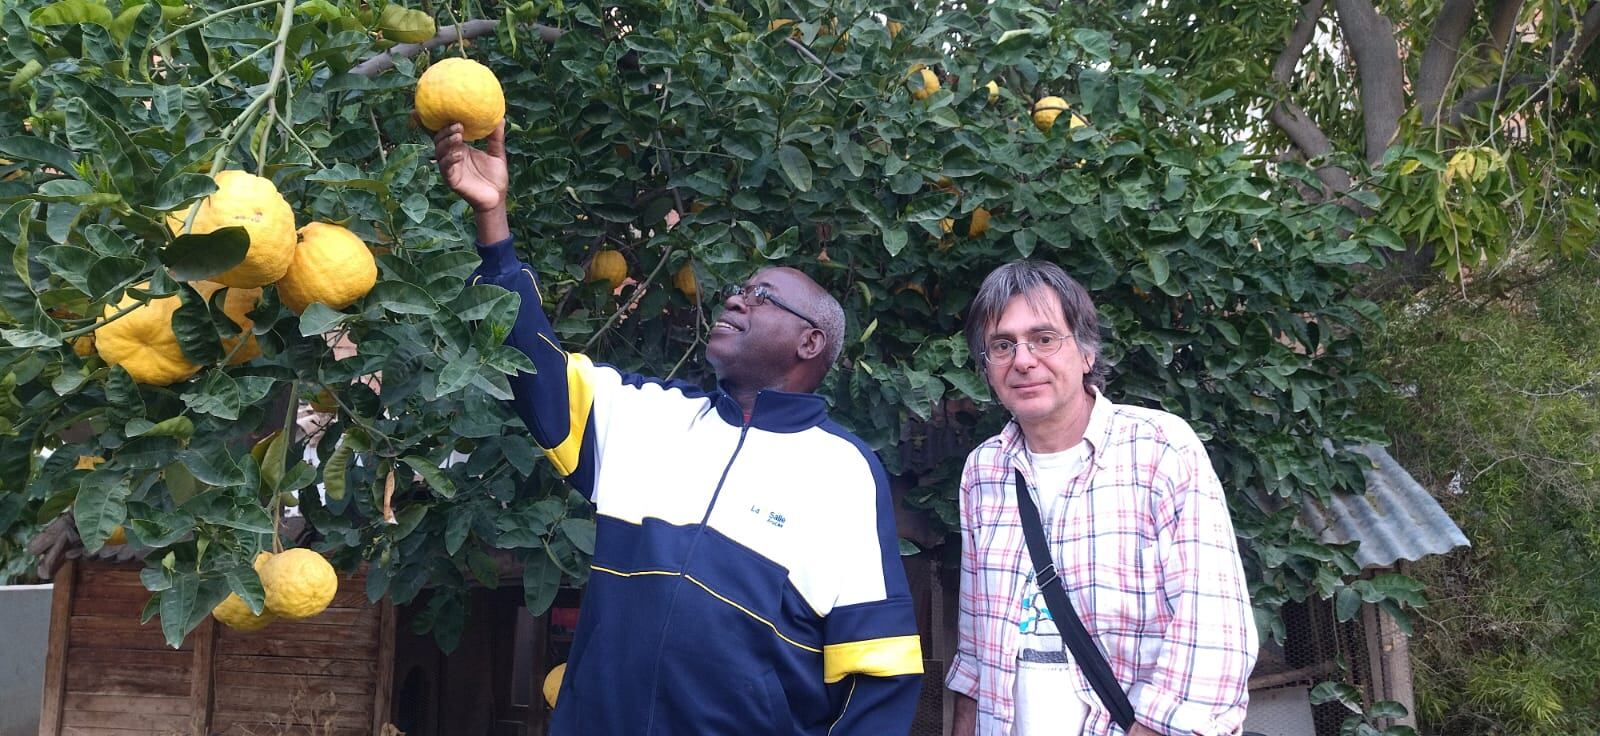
x=581, y=533
x=196, y=333
x=68, y=12
x=431, y=474
x=400, y=297
x=182, y=189
x=334, y=471
x=795, y=166
x=101, y=506
x=541, y=579
x=245, y=583
x=272, y=462
x=194, y=257
x=180, y=427
x=37, y=150
x=178, y=604
x=320, y=318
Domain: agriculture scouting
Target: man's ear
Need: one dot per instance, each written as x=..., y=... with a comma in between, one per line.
x=814, y=344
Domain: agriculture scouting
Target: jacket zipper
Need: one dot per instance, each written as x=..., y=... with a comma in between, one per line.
x=683, y=570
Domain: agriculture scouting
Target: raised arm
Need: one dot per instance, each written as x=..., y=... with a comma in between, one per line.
x=556, y=402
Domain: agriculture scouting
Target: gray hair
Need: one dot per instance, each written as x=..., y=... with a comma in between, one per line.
x=1028, y=278
x=830, y=319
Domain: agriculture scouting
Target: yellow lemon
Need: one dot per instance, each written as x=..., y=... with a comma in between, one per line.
x=142, y=342
x=994, y=91
x=1047, y=109
x=930, y=82
x=299, y=583
x=457, y=90
x=608, y=265
x=979, y=224
x=260, y=562
x=254, y=203
x=237, y=305
x=552, y=683
x=235, y=614
x=331, y=265
x=686, y=282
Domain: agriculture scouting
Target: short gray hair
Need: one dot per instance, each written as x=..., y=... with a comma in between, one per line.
x=830, y=319
x=1026, y=278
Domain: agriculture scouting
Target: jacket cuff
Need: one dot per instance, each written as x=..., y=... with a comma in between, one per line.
x=498, y=257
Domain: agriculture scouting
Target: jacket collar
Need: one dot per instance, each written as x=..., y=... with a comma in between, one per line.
x=775, y=411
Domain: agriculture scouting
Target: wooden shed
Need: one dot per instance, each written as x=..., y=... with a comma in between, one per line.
x=108, y=675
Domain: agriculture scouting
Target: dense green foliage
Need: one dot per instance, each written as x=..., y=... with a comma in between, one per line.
x=1495, y=411
x=1224, y=291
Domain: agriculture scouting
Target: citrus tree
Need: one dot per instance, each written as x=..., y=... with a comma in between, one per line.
x=894, y=151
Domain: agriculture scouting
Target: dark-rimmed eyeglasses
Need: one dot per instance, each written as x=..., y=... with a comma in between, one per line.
x=755, y=296
x=1001, y=351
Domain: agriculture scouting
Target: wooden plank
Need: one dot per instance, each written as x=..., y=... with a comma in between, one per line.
x=55, y=659
x=128, y=658
x=349, y=636
x=112, y=731
x=280, y=648
x=90, y=677
x=385, y=685
x=366, y=617
x=256, y=729
x=348, y=668
x=240, y=701
x=147, y=639
x=204, y=637
x=290, y=683
x=111, y=606
x=135, y=706
x=107, y=573
x=150, y=722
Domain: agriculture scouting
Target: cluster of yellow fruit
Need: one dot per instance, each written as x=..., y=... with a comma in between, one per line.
x=298, y=584
x=321, y=262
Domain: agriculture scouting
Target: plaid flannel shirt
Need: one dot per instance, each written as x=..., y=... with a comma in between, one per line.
x=1147, y=552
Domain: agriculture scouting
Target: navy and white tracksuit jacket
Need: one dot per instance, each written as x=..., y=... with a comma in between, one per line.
x=746, y=576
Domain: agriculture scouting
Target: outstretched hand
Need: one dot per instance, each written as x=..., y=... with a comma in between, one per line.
x=479, y=176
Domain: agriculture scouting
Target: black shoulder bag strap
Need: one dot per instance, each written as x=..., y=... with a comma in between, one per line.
x=1082, y=646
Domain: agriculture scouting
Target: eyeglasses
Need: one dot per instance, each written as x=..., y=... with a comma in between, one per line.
x=755, y=296
x=1043, y=345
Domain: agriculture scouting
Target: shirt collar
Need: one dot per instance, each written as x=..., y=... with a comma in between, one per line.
x=775, y=411
x=1097, y=432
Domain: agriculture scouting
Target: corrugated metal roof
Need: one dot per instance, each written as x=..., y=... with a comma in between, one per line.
x=1396, y=519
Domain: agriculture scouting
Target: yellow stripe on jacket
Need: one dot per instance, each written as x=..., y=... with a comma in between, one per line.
x=580, y=400
x=887, y=657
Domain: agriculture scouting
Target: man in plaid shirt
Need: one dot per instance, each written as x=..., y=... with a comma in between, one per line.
x=1136, y=523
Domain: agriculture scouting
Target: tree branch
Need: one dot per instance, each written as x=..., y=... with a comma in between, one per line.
x=1565, y=53
x=1370, y=37
x=1503, y=22
x=1306, y=136
x=1439, y=60
x=447, y=35
x=1310, y=15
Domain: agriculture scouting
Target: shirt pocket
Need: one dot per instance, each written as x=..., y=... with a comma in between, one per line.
x=1121, y=585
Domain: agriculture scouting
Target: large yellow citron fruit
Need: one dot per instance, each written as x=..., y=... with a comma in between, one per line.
x=234, y=613
x=142, y=342
x=930, y=82
x=552, y=683
x=237, y=305
x=609, y=265
x=457, y=90
x=1047, y=109
x=255, y=204
x=686, y=282
x=331, y=265
x=299, y=583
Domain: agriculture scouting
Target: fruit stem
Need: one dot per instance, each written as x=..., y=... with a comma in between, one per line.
x=219, y=14
x=236, y=128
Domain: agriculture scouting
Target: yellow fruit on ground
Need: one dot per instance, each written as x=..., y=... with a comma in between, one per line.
x=142, y=342
x=331, y=265
x=609, y=265
x=299, y=583
x=930, y=82
x=994, y=91
x=686, y=282
x=88, y=462
x=237, y=305
x=254, y=203
x=118, y=536
x=1047, y=109
x=235, y=614
x=552, y=683
x=457, y=90
x=979, y=224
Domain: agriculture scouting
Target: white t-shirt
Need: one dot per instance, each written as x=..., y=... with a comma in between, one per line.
x=1048, y=702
